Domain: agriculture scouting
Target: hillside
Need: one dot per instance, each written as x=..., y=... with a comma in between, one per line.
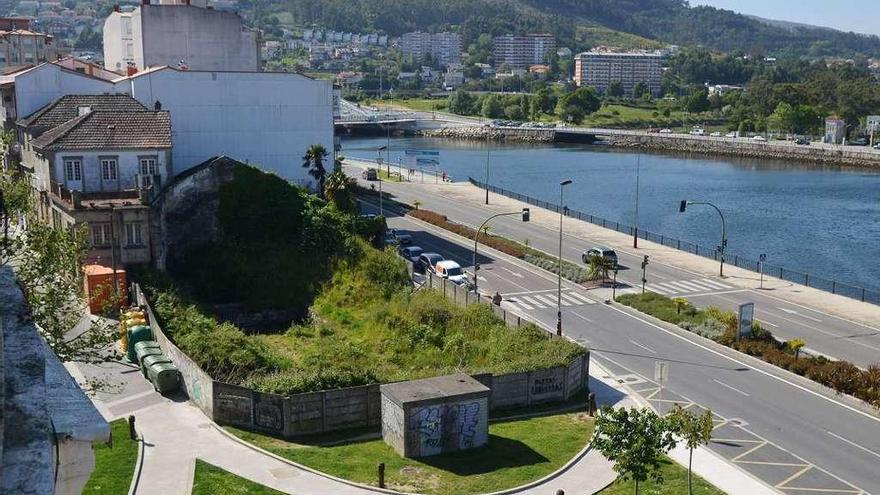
x=667, y=21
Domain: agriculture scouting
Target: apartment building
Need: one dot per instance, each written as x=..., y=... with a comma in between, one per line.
x=522, y=52
x=444, y=48
x=21, y=46
x=600, y=69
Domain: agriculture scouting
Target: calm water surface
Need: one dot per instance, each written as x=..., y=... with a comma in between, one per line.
x=825, y=221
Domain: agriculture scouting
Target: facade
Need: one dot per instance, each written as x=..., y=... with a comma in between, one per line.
x=835, y=130
x=600, y=69
x=21, y=46
x=522, y=52
x=94, y=160
x=444, y=48
x=179, y=34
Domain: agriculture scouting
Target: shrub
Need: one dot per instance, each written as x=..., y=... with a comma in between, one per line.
x=506, y=246
x=299, y=381
x=660, y=307
x=710, y=328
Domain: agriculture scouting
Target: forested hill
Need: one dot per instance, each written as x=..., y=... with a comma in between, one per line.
x=669, y=21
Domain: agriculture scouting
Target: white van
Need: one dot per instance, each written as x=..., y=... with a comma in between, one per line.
x=451, y=270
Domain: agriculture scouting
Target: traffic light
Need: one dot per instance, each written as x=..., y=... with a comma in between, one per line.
x=683, y=206
x=645, y=261
x=525, y=215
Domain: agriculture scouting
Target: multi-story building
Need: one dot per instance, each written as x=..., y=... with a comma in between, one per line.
x=179, y=34
x=600, y=69
x=21, y=46
x=94, y=159
x=522, y=52
x=835, y=130
x=444, y=48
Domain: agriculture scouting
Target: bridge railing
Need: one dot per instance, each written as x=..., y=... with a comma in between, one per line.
x=802, y=278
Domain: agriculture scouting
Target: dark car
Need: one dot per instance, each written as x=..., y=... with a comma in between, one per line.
x=601, y=252
x=802, y=141
x=370, y=174
x=399, y=238
x=428, y=262
x=410, y=253
x=860, y=142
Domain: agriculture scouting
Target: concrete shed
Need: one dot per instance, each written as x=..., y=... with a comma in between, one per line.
x=434, y=416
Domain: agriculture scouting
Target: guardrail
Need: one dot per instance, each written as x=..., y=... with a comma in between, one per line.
x=833, y=286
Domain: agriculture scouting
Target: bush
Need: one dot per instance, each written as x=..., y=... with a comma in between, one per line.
x=570, y=271
x=660, y=307
x=506, y=246
x=710, y=328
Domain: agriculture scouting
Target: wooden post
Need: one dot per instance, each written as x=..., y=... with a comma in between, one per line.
x=381, y=468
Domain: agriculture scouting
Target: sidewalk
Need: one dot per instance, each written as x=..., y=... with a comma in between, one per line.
x=836, y=305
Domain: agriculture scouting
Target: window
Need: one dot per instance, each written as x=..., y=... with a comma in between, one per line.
x=73, y=169
x=133, y=234
x=101, y=235
x=109, y=169
x=149, y=166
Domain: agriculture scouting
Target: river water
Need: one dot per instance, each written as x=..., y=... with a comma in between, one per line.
x=824, y=221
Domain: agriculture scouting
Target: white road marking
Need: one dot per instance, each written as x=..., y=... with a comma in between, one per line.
x=691, y=286
x=657, y=289
x=582, y=297
x=527, y=293
x=679, y=286
x=793, y=312
x=712, y=283
x=515, y=274
x=652, y=351
x=546, y=299
x=854, y=444
x=526, y=306
x=581, y=317
x=731, y=388
x=567, y=297
x=534, y=301
x=765, y=322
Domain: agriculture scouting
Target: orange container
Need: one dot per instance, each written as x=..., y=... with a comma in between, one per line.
x=99, y=286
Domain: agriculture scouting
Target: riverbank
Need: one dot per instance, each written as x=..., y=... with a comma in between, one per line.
x=817, y=153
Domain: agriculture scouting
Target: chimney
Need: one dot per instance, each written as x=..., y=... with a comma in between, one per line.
x=116, y=8
x=132, y=70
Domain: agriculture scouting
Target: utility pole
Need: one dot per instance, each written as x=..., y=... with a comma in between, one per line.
x=723, y=245
x=488, y=148
x=644, y=272
x=636, y=227
x=559, y=263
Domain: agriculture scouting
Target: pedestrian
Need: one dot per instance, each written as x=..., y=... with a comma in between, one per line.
x=496, y=299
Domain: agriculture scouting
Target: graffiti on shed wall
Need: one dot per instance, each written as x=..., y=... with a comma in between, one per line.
x=447, y=426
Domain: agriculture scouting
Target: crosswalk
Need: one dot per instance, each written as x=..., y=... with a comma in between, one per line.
x=696, y=286
x=546, y=299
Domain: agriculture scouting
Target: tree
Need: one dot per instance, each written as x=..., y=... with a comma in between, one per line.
x=640, y=90
x=599, y=267
x=491, y=108
x=694, y=429
x=615, y=89
x=579, y=103
x=314, y=161
x=340, y=191
x=514, y=112
x=635, y=441
x=680, y=304
x=796, y=345
x=698, y=101
x=461, y=102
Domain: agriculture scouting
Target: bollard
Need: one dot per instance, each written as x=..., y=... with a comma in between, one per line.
x=381, y=475
x=132, y=433
x=591, y=403
x=560, y=492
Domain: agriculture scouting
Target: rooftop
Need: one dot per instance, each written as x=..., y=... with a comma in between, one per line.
x=68, y=107
x=138, y=129
x=433, y=389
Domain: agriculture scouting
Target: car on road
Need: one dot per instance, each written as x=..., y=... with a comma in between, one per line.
x=399, y=237
x=715, y=134
x=601, y=252
x=410, y=253
x=802, y=141
x=759, y=138
x=451, y=271
x=877, y=146
x=370, y=174
x=428, y=262
x=730, y=135
x=665, y=131
x=860, y=142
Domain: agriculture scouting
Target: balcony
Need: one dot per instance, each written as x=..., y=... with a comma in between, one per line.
x=80, y=200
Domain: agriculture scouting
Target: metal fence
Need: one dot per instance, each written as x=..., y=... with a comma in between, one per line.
x=832, y=286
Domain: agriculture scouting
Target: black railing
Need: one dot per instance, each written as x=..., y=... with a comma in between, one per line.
x=832, y=286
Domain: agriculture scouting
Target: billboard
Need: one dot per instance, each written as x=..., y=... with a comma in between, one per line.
x=746, y=317
x=422, y=159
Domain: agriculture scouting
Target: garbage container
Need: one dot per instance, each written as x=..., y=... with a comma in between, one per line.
x=146, y=348
x=151, y=360
x=137, y=334
x=165, y=377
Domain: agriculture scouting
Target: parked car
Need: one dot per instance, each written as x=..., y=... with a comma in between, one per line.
x=428, y=262
x=730, y=134
x=370, y=174
x=802, y=141
x=602, y=252
x=715, y=134
x=665, y=131
x=860, y=142
x=877, y=146
x=759, y=138
x=400, y=238
x=452, y=271
x=698, y=131
x=410, y=253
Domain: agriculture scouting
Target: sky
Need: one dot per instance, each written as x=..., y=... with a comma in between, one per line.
x=847, y=15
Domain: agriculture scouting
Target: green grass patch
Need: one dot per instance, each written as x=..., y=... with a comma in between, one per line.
x=662, y=307
x=419, y=104
x=394, y=176
x=210, y=480
x=518, y=452
x=674, y=483
x=114, y=463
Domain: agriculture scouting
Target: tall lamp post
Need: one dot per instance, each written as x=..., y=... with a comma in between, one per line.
x=525, y=218
x=559, y=265
x=488, y=149
x=636, y=226
x=379, y=178
x=723, y=245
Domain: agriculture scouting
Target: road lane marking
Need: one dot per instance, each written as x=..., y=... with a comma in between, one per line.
x=718, y=293
x=692, y=286
x=875, y=454
x=546, y=299
x=656, y=288
x=526, y=306
x=567, y=297
x=712, y=283
x=730, y=387
x=793, y=312
x=765, y=322
x=527, y=293
x=533, y=301
x=581, y=317
x=515, y=274
x=582, y=297
x=652, y=351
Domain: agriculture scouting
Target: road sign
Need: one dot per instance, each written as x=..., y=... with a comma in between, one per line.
x=762, y=258
x=661, y=372
x=421, y=159
x=746, y=318
x=872, y=123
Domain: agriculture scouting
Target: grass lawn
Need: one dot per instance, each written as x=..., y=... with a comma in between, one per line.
x=114, y=466
x=518, y=452
x=674, y=483
x=394, y=177
x=210, y=479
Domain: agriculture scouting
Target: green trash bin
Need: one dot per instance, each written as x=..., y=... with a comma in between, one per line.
x=137, y=334
x=165, y=377
x=151, y=360
x=145, y=348
x=145, y=353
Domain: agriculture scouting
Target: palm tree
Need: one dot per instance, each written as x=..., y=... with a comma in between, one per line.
x=339, y=190
x=599, y=268
x=314, y=161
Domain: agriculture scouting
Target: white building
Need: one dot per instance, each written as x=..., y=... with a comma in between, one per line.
x=600, y=69
x=522, y=52
x=175, y=34
x=835, y=130
x=444, y=48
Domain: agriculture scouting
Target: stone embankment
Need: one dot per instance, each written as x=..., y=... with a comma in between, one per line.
x=492, y=133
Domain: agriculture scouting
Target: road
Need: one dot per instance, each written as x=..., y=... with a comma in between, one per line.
x=824, y=333
x=792, y=438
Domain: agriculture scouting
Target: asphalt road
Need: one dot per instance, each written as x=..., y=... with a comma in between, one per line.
x=795, y=439
x=824, y=333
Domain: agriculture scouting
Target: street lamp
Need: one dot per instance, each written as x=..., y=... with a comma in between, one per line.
x=488, y=148
x=559, y=265
x=525, y=218
x=379, y=178
x=723, y=245
x=636, y=227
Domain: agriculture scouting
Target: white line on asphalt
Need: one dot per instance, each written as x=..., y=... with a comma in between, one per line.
x=657, y=289
x=546, y=299
x=712, y=283
x=692, y=286
x=515, y=274
x=731, y=388
x=679, y=286
x=581, y=317
x=793, y=312
x=854, y=444
x=717, y=293
x=526, y=306
x=567, y=297
x=528, y=292
x=582, y=297
x=652, y=351
x=533, y=301
x=765, y=322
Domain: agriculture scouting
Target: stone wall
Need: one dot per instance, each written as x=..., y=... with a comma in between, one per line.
x=483, y=133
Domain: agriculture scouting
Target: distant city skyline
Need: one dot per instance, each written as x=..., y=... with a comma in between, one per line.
x=845, y=15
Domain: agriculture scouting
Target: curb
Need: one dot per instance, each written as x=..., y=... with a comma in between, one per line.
x=510, y=491
x=138, y=467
